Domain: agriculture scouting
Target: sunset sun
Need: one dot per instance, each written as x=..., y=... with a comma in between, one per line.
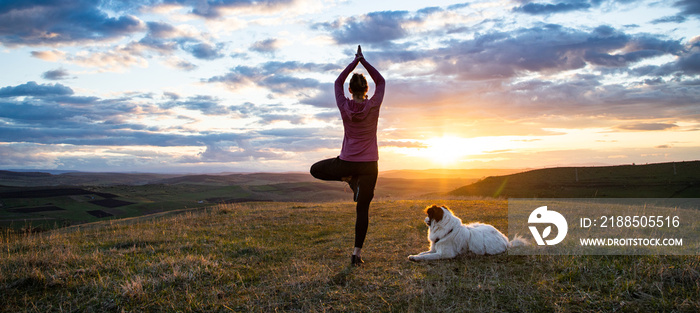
x=449, y=150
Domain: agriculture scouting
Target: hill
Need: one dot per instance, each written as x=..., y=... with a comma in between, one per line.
x=662, y=180
x=293, y=257
x=35, y=199
x=466, y=174
x=43, y=179
x=58, y=178
x=31, y=200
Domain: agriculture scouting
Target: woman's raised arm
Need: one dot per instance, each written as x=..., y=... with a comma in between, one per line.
x=377, y=78
x=339, y=92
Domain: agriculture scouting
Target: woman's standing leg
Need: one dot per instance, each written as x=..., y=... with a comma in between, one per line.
x=367, y=182
x=364, y=198
x=365, y=174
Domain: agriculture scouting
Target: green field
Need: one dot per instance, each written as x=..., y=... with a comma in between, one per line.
x=293, y=257
x=24, y=203
x=19, y=212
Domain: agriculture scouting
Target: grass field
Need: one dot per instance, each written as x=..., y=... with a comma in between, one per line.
x=293, y=257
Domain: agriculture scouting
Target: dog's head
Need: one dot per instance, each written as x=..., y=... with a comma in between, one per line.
x=435, y=214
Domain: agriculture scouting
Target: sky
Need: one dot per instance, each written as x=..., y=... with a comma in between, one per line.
x=207, y=86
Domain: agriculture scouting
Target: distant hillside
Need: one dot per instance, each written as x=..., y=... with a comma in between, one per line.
x=46, y=201
x=35, y=179
x=466, y=174
x=455, y=177
x=663, y=180
x=240, y=179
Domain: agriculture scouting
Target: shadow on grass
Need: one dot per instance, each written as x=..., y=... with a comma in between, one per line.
x=343, y=276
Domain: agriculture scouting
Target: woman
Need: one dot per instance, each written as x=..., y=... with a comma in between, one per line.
x=357, y=162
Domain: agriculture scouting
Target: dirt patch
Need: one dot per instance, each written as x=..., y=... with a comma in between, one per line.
x=36, y=209
x=111, y=203
x=99, y=213
x=54, y=192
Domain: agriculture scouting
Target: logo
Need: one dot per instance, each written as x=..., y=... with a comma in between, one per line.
x=543, y=216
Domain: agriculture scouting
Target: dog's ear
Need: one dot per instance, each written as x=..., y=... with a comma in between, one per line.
x=434, y=213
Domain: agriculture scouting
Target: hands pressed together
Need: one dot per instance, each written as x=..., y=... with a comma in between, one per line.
x=359, y=55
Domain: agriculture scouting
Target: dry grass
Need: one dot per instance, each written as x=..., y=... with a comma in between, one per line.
x=265, y=257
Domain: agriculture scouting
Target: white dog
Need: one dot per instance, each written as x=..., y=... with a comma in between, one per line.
x=449, y=237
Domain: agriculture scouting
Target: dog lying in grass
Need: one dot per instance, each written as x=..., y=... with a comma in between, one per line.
x=449, y=237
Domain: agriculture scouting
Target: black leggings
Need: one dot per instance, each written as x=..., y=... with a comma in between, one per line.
x=366, y=172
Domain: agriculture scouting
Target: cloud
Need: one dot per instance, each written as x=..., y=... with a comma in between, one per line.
x=647, y=126
x=67, y=112
x=689, y=62
x=458, y=6
x=35, y=90
x=394, y=29
x=27, y=155
x=50, y=116
x=53, y=22
x=373, y=28
x=205, y=51
x=216, y=9
x=533, y=8
x=166, y=39
x=102, y=124
x=180, y=64
x=238, y=150
x=265, y=46
x=274, y=76
x=686, y=64
x=269, y=113
x=206, y=104
x=51, y=55
x=294, y=67
x=117, y=59
x=509, y=71
x=584, y=95
x=323, y=97
x=211, y=9
x=547, y=48
x=162, y=37
x=688, y=7
x=69, y=22
x=301, y=139
x=670, y=19
x=57, y=74
x=239, y=76
x=161, y=30
x=493, y=54
x=527, y=71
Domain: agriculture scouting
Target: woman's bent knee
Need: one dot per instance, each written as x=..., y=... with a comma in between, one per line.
x=314, y=170
x=323, y=170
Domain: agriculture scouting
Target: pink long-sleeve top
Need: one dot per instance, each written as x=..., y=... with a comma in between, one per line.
x=360, y=118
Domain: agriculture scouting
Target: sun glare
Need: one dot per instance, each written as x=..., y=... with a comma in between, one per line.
x=449, y=150
x=439, y=150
